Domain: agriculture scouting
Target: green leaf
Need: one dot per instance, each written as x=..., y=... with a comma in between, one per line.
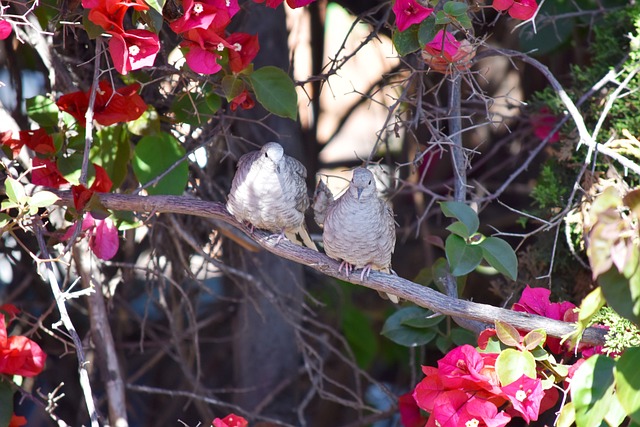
x=395, y=330
x=70, y=168
x=42, y=199
x=592, y=390
x=444, y=344
x=534, y=338
x=93, y=30
x=500, y=256
x=627, y=377
x=8, y=204
x=232, y=86
x=155, y=154
x=462, y=258
x=153, y=17
x=147, y=124
x=4, y=218
x=442, y=18
x=418, y=317
x=358, y=331
x=511, y=364
x=507, y=334
x=459, y=229
x=455, y=8
x=15, y=191
x=632, y=200
x=461, y=336
x=406, y=41
x=43, y=111
x=276, y=92
x=427, y=30
x=195, y=109
x=462, y=213
x=6, y=403
x=465, y=21
x=111, y=149
x=622, y=294
x=567, y=416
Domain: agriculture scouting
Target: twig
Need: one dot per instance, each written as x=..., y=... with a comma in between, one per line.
x=405, y=289
x=50, y=277
x=88, y=133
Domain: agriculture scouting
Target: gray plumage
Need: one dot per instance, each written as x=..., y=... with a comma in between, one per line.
x=322, y=199
x=269, y=192
x=359, y=228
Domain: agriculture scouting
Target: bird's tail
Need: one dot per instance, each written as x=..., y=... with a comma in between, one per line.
x=304, y=235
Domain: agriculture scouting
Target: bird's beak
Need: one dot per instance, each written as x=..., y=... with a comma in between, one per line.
x=278, y=168
x=360, y=192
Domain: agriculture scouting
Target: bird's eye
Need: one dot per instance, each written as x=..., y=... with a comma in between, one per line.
x=369, y=182
x=266, y=155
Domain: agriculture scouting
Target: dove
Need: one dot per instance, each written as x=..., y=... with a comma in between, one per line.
x=359, y=229
x=269, y=192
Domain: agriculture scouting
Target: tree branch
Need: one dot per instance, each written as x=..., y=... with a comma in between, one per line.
x=405, y=289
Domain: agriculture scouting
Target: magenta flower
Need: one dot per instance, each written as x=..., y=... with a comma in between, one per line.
x=5, y=29
x=133, y=49
x=293, y=4
x=244, y=47
x=517, y=9
x=445, y=44
x=525, y=394
x=201, y=15
x=409, y=12
x=202, y=60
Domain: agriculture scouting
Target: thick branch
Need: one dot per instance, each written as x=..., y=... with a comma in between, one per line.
x=405, y=289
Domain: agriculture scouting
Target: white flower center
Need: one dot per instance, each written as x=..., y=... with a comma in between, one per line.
x=521, y=395
x=220, y=47
x=134, y=50
x=472, y=423
x=237, y=47
x=227, y=3
x=198, y=8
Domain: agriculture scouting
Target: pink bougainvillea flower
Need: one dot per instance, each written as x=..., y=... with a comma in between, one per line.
x=232, y=6
x=409, y=12
x=410, y=414
x=244, y=47
x=45, y=172
x=5, y=29
x=525, y=394
x=293, y=4
x=230, y=420
x=517, y=9
x=122, y=106
x=243, y=101
x=133, y=49
x=543, y=123
x=201, y=60
x=102, y=234
x=19, y=355
x=199, y=14
x=109, y=14
x=445, y=44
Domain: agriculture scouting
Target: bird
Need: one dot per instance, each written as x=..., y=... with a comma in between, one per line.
x=359, y=228
x=269, y=192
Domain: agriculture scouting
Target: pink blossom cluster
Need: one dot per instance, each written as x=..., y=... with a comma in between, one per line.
x=130, y=49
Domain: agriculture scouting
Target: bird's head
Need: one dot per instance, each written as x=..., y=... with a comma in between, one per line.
x=274, y=153
x=363, y=183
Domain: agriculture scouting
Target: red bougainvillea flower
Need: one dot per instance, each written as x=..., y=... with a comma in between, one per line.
x=243, y=101
x=543, y=123
x=525, y=394
x=409, y=12
x=45, y=172
x=109, y=14
x=110, y=107
x=133, y=49
x=517, y=9
x=5, y=29
x=38, y=140
x=101, y=184
x=9, y=310
x=102, y=234
x=15, y=145
x=200, y=14
x=19, y=355
x=230, y=420
x=17, y=421
x=244, y=47
x=410, y=414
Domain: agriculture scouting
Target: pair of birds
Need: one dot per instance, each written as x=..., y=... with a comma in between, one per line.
x=269, y=192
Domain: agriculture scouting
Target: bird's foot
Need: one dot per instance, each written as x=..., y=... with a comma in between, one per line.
x=365, y=272
x=278, y=237
x=347, y=268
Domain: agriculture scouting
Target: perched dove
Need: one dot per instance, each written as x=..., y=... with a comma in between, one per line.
x=359, y=228
x=269, y=192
